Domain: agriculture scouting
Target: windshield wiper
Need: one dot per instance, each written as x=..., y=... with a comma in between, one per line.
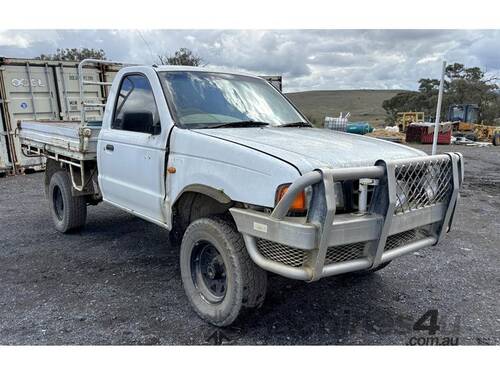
x=246, y=124
x=299, y=124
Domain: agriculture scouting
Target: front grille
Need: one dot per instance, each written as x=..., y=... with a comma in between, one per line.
x=422, y=184
x=405, y=238
x=281, y=253
x=342, y=253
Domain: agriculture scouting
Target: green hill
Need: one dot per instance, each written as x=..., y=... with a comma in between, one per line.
x=364, y=105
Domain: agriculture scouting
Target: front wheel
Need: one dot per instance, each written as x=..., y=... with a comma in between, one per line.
x=218, y=275
x=68, y=212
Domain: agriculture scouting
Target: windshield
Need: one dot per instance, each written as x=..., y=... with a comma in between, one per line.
x=204, y=99
x=457, y=113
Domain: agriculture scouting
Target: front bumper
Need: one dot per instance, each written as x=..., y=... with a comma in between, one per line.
x=412, y=207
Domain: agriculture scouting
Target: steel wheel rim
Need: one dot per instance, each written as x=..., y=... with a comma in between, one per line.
x=58, y=202
x=208, y=272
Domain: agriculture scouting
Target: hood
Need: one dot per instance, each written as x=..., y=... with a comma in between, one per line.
x=310, y=148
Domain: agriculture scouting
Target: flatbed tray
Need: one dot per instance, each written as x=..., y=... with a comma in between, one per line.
x=67, y=138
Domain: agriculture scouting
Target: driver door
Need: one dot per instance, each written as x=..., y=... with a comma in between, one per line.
x=132, y=151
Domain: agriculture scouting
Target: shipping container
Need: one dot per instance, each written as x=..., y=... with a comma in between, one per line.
x=44, y=90
x=5, y=164
x=276, y=81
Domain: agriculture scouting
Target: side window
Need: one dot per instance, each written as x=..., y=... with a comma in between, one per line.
x=135, y=108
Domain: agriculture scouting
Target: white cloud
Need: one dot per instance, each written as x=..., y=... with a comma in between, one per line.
x=14, y=41
x=307, y=59
x=25, y=39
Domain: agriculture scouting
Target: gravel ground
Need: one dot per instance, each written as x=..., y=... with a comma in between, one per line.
x=117, y=282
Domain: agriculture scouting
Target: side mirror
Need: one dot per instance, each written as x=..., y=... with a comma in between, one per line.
x=140, y=122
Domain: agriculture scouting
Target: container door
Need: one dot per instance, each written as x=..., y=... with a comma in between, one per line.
x=5, y=164
x=30, y=95
x=69, y=92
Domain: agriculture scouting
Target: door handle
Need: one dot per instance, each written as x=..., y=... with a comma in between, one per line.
x=110, y=147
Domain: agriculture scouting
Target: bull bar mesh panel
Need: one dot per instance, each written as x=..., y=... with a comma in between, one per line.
x=293, y=257
x=281, y=253
x=405, y=238
x=422, y=184
x=342, y=253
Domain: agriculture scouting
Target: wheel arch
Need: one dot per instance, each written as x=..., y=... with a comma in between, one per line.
x=196, y=201
x=51, y=167
x=217, y=194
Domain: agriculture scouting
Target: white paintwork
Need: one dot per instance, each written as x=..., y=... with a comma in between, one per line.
x=133, y=175
x=246, y=165
x=311, y=148
x=243, y=174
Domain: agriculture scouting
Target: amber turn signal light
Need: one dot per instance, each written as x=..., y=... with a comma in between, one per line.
x=299, y=203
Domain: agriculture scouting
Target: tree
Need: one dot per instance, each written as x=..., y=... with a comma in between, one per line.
x=428, y=86
x=402, y=102
x=74, y=54
x=183, y=56
x=462, y=86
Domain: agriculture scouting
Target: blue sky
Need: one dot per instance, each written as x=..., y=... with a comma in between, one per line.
x=307, y=59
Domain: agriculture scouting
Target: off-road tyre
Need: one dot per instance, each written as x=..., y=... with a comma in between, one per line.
x=245, y=283
x=68, y=212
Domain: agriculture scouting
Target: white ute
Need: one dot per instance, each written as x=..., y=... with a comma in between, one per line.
x=242, y=181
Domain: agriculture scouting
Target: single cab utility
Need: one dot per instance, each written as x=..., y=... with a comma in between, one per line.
x=242, y=181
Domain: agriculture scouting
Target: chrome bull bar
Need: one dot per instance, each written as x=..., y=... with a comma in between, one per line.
x=323, y=232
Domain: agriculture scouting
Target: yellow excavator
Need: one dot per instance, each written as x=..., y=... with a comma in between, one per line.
x=406, y=118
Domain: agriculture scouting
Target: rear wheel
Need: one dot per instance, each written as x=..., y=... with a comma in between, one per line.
x=218, y=275
x=68, y=212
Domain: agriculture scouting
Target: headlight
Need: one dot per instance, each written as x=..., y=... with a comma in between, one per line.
x=430, y=183
x=431, y=188
x=339, y=195
x=401, y=189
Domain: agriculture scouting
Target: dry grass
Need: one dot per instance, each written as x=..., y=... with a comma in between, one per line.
x=364, y=105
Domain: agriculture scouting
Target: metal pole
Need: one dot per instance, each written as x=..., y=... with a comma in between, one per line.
x=438, y=111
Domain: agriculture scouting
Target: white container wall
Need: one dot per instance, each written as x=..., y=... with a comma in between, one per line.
x=5, y=164
x=69, y=92
x=43, y=90
x=30, y=95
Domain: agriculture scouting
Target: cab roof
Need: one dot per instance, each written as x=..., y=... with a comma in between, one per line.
x=185, y=68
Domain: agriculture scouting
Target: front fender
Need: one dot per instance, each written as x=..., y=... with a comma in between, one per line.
x=234, y=171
